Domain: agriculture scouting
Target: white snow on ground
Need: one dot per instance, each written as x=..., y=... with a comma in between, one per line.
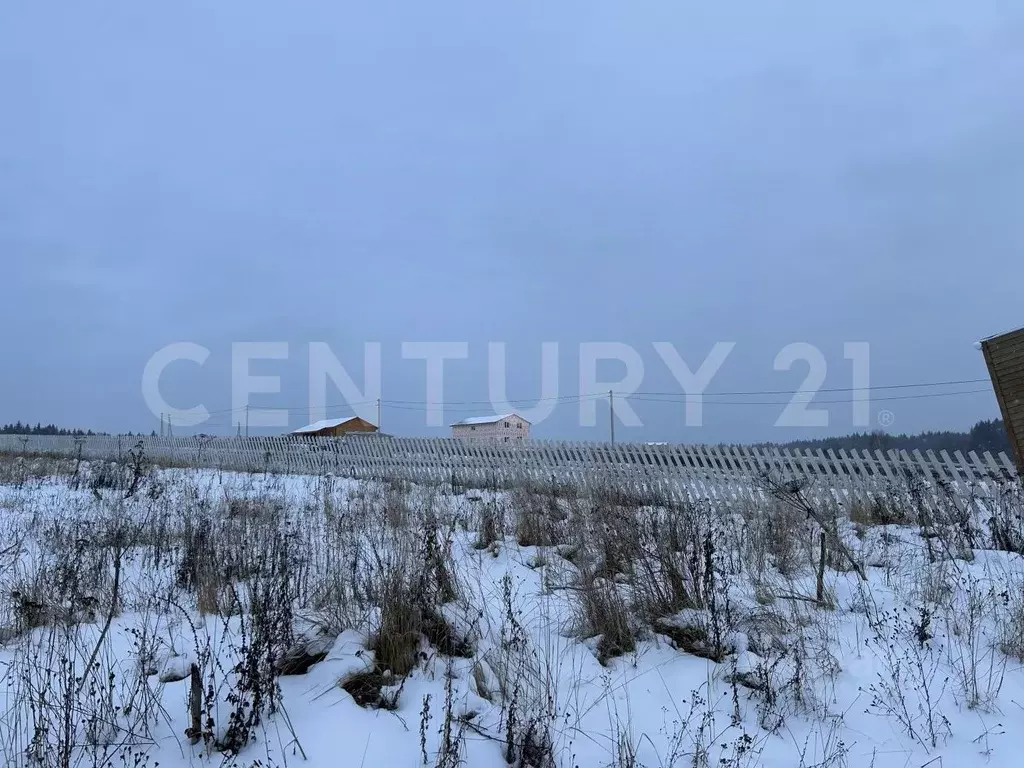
x=917, y=665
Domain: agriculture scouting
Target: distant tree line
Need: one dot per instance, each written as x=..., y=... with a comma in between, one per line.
x=50, y=429
x=987, y=435
x=984, y=436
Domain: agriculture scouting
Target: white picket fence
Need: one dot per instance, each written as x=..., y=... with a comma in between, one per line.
x=681, y=471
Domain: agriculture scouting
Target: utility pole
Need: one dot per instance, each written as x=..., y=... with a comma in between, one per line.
x=239, y=434
x=611, y=414
x=378, y=414
x=170, y=431
x=246, y=419
x=161, y=424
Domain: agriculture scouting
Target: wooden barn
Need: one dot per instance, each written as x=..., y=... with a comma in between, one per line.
x=1004, y=356
x=335, y=428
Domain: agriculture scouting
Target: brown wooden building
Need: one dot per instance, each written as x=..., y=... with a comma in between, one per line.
x=1004, y=355
x=335, y=427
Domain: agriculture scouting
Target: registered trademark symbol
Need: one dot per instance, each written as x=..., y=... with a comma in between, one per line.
x=886, y=418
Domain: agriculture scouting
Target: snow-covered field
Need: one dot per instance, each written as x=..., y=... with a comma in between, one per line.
x=179, y=617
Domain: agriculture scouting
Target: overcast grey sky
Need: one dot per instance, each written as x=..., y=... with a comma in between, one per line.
x=757, y=171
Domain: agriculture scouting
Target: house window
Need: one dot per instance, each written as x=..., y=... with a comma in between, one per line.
x=519, y=425
x=472, y=429
x=506, y=439
x=506, y=425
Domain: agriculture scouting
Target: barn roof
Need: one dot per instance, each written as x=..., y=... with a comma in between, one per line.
x=487, y=419
x=325, y=424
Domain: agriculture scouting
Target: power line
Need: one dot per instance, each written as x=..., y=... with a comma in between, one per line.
x=296, y=409
x=426, y=403
x=460, y=405
x=435, y=403
x=678, y=397
x=601, y=396
x=639, y=396
x=918, y=396
x=446, y=408
x=832, y=389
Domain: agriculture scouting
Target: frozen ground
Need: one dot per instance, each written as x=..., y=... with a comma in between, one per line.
x=181, y=618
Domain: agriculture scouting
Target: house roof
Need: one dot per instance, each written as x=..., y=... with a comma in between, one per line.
x=486, y=419
x=325, y=424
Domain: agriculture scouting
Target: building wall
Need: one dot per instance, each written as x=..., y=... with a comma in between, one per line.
x=517, y=430
x=1004, y=356
x=358, y=425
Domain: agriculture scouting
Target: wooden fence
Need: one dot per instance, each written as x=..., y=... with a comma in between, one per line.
x=681, y=471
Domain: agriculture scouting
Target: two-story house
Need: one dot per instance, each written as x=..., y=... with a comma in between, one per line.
x=507, y=428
